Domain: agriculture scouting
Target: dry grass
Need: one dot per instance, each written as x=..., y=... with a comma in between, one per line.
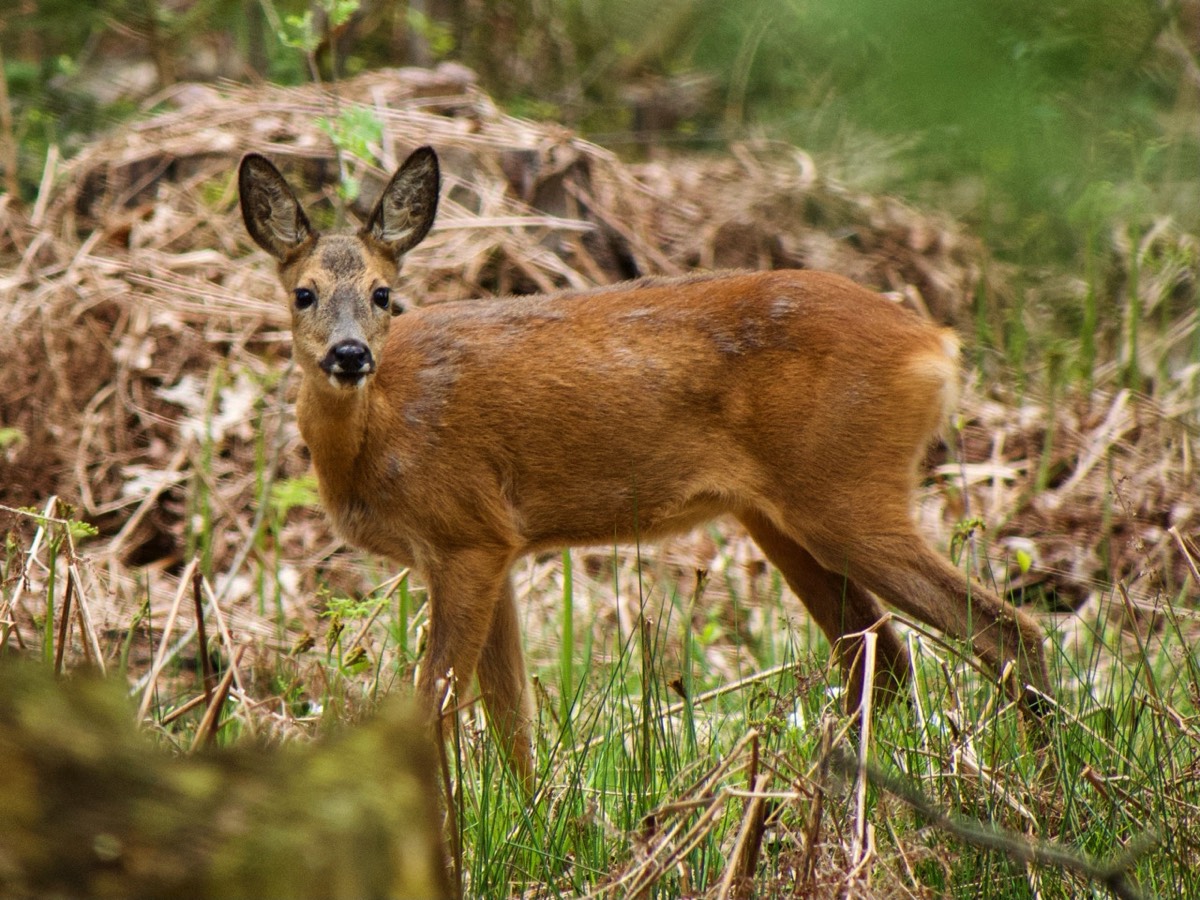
x=144, y=344
x=130, y=280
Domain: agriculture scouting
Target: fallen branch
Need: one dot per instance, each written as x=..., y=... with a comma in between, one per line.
x=1112, y=874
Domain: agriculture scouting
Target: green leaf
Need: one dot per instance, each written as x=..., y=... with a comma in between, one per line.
x=338, y=609
x=298, y=32
x=80, y=529
x=10, y=436
x=339, y=11
x=289, y=493
x=355, y=131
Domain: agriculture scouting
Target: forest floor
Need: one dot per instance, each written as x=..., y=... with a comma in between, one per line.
x=147, y=439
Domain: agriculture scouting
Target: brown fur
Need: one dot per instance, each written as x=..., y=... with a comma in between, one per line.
x=796, y=401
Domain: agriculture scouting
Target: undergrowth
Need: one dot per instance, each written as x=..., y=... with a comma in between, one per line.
x=692, y=734
x=663, y=774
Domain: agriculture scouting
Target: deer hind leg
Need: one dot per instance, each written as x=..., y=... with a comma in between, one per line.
x=904, y=570
x=840, y=607
x=505, y=688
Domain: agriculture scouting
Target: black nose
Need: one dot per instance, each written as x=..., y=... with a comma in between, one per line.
x=348, y=358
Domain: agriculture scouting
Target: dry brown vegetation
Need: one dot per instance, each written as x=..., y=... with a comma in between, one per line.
x=130, y=279
x=143, y=343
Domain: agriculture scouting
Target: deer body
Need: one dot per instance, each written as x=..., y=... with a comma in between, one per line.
x=609, y=416
x=459, y=437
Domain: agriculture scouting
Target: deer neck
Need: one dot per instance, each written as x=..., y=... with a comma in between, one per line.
x=334, y=425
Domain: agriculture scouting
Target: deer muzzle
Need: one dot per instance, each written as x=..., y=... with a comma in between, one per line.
x=348, y=363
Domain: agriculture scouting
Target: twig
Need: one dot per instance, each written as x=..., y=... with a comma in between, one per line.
x=863, y=840
x=703, y=826
x=806, y=870
x=45, y=188
x=64, y=626
x=202, y=639
x=207, y=729
x=91, y=644
x=1111, y=874
x=179, y=712
x=73, y=573
x=31, y=556
x=448, y=703
x=227, y=639
x=390, y=584
x=710, y=800
x=161, y=658
x=1187, y=555
x=749, y=841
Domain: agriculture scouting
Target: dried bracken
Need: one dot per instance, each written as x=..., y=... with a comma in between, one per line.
x=144, y=343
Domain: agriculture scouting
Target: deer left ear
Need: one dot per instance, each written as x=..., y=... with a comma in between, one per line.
x=405, y=212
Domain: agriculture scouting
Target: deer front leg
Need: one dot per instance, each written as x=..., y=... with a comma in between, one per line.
x=466, y=589
x=505, y=688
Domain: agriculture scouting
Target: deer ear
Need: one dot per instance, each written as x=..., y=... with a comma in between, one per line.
x=404, y=214
x=271, y=211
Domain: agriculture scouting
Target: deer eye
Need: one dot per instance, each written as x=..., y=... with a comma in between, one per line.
x=382, y=297
x=305, y=298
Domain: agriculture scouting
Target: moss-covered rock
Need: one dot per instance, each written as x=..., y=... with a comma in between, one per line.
x=89, y=807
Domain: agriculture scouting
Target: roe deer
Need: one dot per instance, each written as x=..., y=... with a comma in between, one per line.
x=458, y=437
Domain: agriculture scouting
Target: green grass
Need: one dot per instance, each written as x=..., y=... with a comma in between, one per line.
x=619, y=794
x=641, y=791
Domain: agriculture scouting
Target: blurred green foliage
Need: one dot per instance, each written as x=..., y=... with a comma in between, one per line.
x=1034, y=102
x=1036, y=120
x=1010, y=112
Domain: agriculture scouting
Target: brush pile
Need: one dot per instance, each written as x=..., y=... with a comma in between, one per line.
x=144, y=336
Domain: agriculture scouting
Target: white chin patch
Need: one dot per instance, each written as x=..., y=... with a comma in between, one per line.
x=347, y=382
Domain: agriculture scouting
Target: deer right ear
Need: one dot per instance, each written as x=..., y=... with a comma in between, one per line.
x=272, y=213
